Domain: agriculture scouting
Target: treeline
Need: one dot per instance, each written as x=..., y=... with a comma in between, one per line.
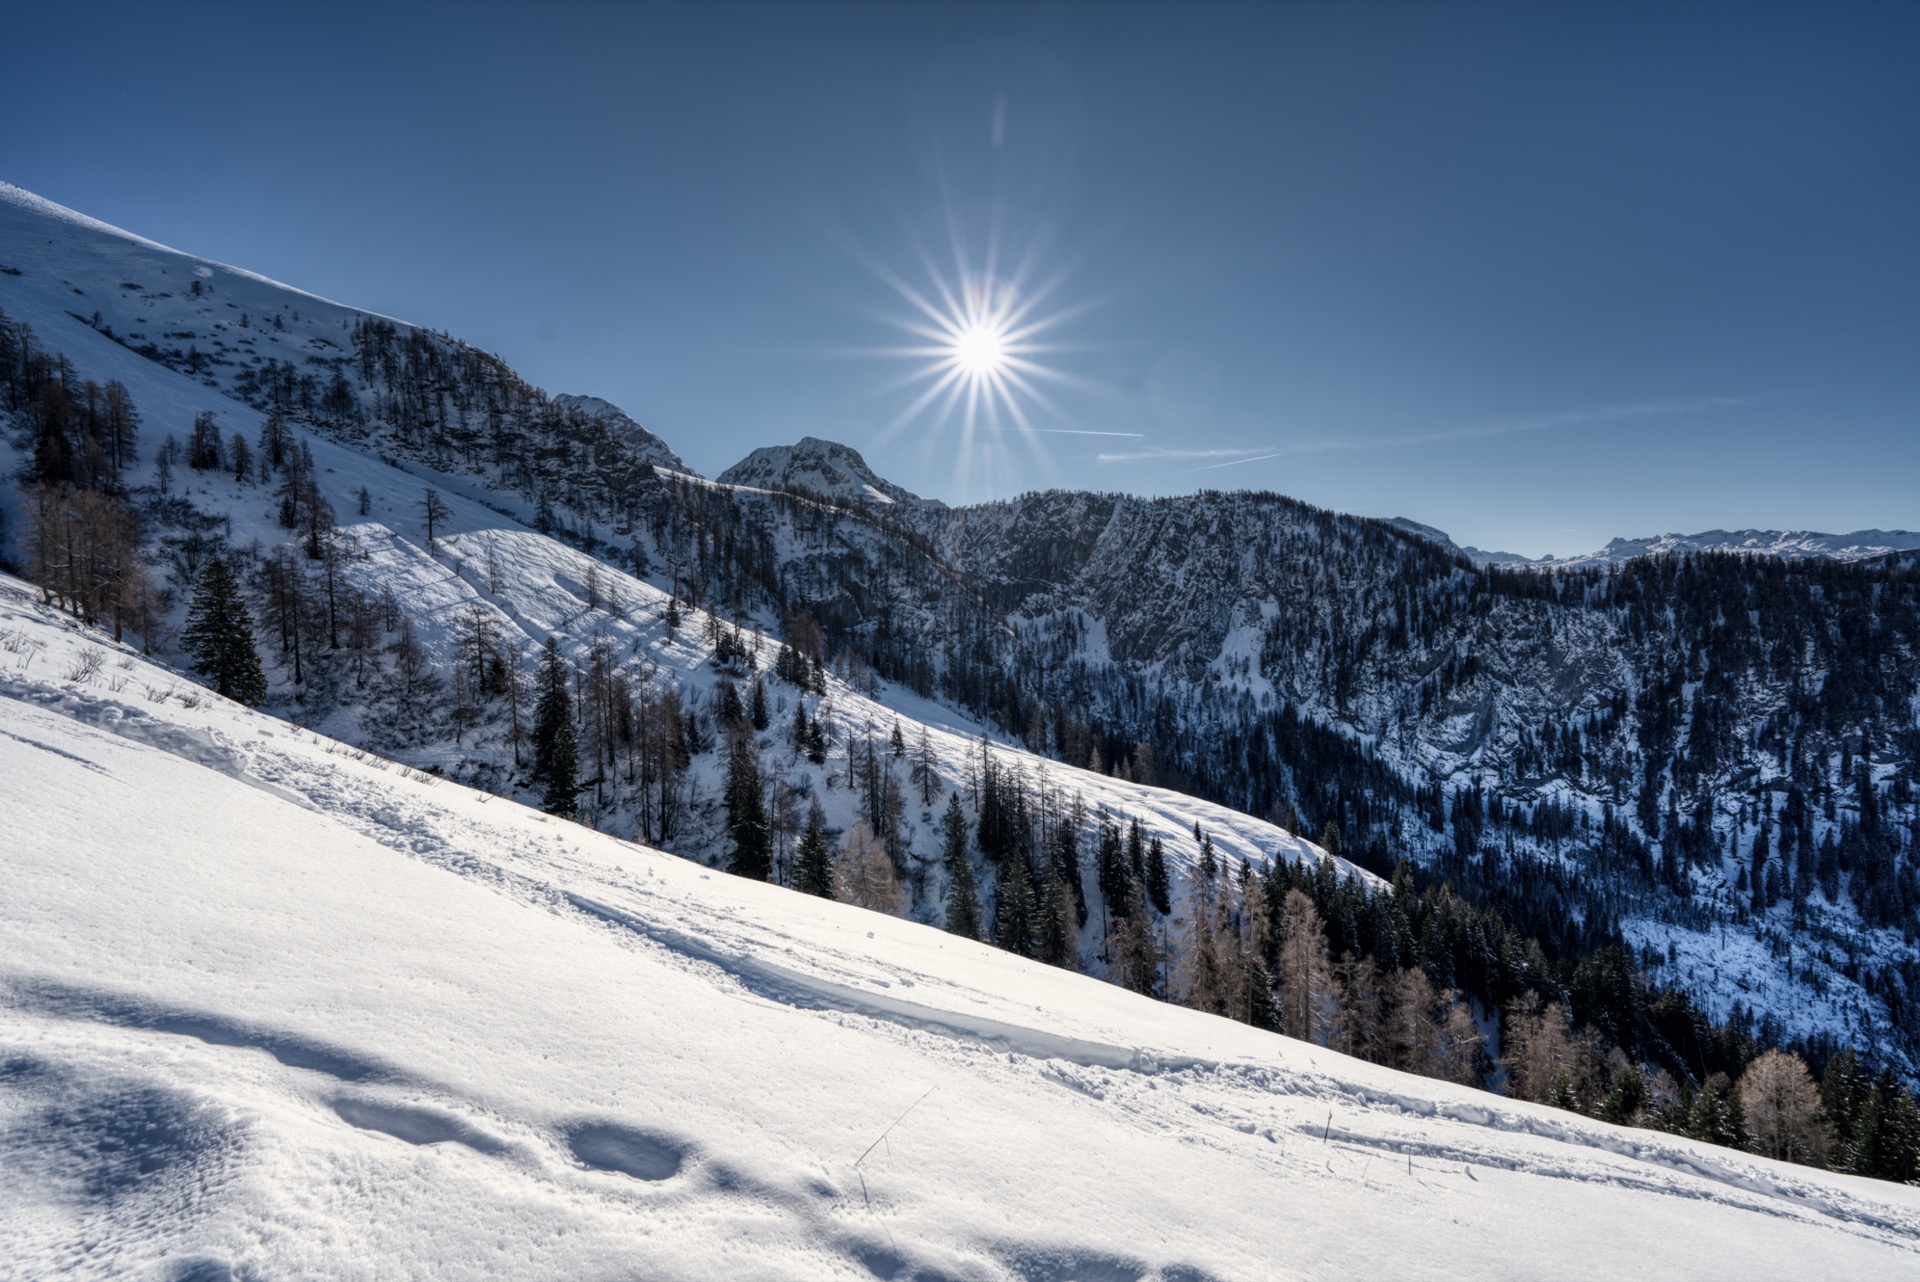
x=82, y=538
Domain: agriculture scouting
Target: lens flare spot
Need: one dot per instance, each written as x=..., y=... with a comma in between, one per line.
x=980, y=350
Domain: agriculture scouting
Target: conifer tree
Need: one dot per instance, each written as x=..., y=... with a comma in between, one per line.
x=1134, y=958
x=797, y=733
x=813, y=862
x=219, y=636
x=747, y=813
x=1209, y=864
x=1013, y=918
x=1055, y=931
x=1065, y=862
x=556, y=750
x=1625, y=1103
x=923, y=774
x=732, y=710
x=1159, y=888
x=1200, y=969
x=1110, y=872
x=757, y=714
x=963, y=899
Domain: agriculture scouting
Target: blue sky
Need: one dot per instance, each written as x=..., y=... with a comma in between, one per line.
x=1537, y=274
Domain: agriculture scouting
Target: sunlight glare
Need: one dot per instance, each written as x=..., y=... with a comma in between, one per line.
x=980, y=350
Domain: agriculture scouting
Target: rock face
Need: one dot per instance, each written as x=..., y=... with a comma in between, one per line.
x=819, y=467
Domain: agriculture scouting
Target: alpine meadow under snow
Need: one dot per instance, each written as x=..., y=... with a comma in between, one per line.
x=303, y=988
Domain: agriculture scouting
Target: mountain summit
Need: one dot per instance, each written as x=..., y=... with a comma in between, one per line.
x=820, y=467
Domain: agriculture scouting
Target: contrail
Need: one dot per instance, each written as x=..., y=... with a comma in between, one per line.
x=1057, y=431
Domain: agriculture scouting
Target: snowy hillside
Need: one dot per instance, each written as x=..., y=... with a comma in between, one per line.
x=648, y=447
x=273, y=1007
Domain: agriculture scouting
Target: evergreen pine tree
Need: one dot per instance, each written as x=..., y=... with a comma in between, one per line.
x=757, y=714
x=747, y=814
x=1159, y=887
x=1055, y=932
x=219, y=636
x=556, y=749
x=798, y=733
x=963, y=899
x=813, y=862
x=1013, y=920
x=1110, y=871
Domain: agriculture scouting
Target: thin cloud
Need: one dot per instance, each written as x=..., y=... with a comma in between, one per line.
x=1056, y=431
x=1545, y=422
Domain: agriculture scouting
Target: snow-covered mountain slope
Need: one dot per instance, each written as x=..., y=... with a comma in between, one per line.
x=818, y=467
x=273, y=1007
x=388, y=387
x=60, y=261
x=528, y=587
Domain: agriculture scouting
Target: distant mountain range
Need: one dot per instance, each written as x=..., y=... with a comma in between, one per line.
x=1857, y=546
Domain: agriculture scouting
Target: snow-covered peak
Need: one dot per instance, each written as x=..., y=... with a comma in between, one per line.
x=650, y=448
x=1855, y=546
x=820, y=467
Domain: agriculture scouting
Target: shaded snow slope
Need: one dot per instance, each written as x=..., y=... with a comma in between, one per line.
x=274, y=1008
x=819, y=467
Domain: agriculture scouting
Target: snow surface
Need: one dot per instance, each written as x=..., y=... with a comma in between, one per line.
x=275, y=1007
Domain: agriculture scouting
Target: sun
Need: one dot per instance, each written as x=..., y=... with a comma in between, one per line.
x=984, y=319
x=980, y=350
